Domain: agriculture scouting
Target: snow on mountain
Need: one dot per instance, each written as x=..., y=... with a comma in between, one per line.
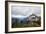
x=19, y=16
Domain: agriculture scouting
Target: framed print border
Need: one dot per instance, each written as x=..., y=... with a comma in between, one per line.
x=6, y=16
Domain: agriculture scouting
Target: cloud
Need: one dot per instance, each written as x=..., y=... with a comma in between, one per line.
x=26, y=10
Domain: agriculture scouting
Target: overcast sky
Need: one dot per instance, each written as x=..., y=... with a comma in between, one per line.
x=26, y=10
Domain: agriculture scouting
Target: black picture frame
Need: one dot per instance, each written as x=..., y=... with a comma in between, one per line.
x=6, y=16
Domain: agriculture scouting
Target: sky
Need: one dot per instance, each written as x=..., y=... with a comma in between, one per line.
x=26, y=10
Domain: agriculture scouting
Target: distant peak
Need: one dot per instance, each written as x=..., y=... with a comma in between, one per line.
x=18, y=16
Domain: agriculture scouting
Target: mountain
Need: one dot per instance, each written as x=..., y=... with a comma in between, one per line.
x=19, y=19
x=24, y=19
